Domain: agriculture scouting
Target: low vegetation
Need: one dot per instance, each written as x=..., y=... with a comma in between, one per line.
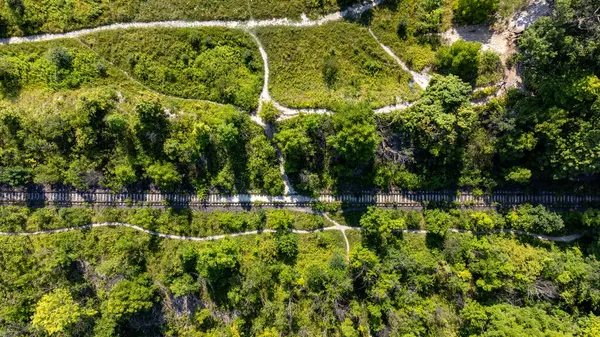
x=486, y=11
x=216, y=64
x=526, y=218
x=321, y=67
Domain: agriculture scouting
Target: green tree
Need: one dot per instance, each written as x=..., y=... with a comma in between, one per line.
x=280, y=220
x=164, y=175
x=9, y=77
x=364, y=266
x=287, y=247
x=56, y=313
x=269, y=113
x=460, y=59
x=152, y=127
x=82, y=174
x=378, y=227
x=296, y=146
x=201, y=138
x=438, y=221
x=220, y=263
x=355, y=135
x=442, y=118
x=518, y=175
x=228, y=135
x=535, y=219
x=60, y=57
x=263, y=166
x=129, y=297
x=124, y=175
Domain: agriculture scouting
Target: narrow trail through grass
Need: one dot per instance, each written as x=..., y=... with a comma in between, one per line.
x=335, y=227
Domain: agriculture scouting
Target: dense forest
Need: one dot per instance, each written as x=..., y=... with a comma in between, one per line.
x=119, y=282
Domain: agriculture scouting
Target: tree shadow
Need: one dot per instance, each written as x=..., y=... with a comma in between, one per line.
x=434, y=241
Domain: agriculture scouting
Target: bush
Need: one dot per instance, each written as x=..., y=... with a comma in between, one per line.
x=60, y=57
x=330, y=68
x=535, y=219
x=460, y=59
x=518, y=175
x=475, y=11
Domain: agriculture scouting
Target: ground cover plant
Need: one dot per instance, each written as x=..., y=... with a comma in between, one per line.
x=217, y=64
x=27, y=17
x=320, y=67
x=119, y=282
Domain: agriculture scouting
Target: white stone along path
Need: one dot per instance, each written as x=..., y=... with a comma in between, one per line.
x=335, y=227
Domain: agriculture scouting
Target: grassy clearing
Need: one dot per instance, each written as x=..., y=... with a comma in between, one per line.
x=39, y=83
x=27, y=17
x=409, y=28
x=326, y=65
x=216, y=64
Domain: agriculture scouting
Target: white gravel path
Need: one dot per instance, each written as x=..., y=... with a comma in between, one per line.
x=351, y=12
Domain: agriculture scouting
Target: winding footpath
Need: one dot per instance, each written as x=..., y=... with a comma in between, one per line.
x=351, y=12
x=336, y=227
